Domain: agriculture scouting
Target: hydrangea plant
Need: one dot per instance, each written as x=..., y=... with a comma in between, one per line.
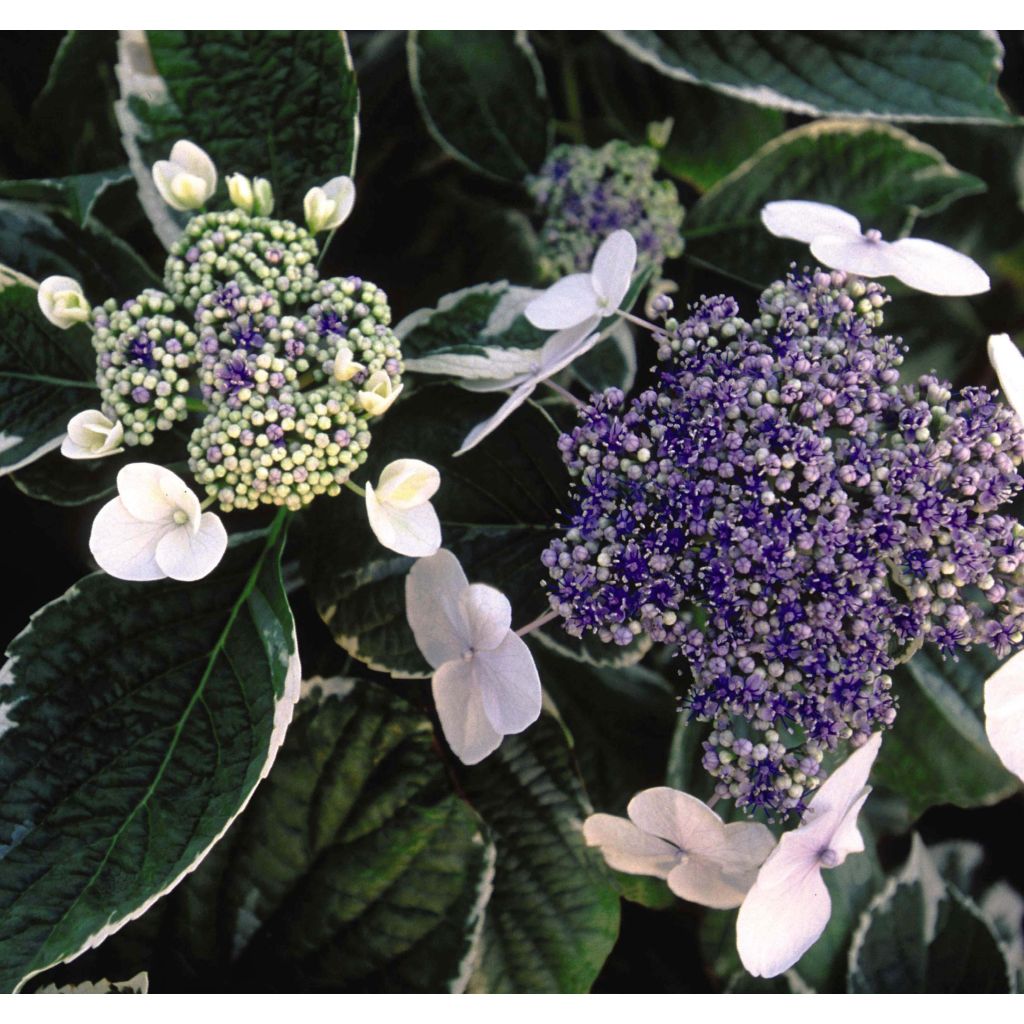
x=635, y=561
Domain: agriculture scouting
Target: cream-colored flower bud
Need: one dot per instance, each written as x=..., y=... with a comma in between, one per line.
x=240, y=192
x=328, y=207
x=91, y=435
x=263, y=197
x=188, y=179
x=63, y=302
x=378, y=393
x=345, y=366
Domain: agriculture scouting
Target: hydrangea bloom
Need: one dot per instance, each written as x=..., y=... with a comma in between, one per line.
x=794, y=520
x=586, y=194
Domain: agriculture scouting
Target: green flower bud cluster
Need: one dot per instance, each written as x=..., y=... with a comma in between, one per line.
x=585, y=194
x=143, y=354
x=287, y=422
x=253, y=251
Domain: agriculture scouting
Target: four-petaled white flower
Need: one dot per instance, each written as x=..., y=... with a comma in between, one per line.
x=1004, y=713
x=554, y=355
x=485, y=683
x=835, y=238
x=399, y=510
x=788, y=906
x=675, y=836
x=580, y=298
x=188, y=179
x=1007, y=361
x=378, y=393
x=155, y=528
x=327, y=207
x=63, y=302
x=255, y=197
x=91, y=435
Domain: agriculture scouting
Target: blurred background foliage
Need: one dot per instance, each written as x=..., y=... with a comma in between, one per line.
x=452, y=124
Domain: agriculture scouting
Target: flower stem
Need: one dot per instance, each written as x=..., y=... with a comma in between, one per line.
x=541, y=620
x=564, y=392
x=195, y=405
x=355, y=488
x=207, y=503
x=639, y=321
x=325, y=247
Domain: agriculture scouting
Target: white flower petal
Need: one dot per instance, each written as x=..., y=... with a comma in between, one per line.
x=460, y=708
x=707, y=882
x=565, y=346
x=678, y=817
x=433, y=590
x=626, y=848
x=565, y=304
x=856, y=255
x=613, y=269
x=779, y=922
x=415, y=532
x=153, y=493
x=184, y=555
x=62, y=301
x=509, y=685
x=342, y=192
x=805, y=220
x=125, y=546
x=406, y=483
x=91, y=435
x=163, y=177
x=938, y=269
x=1008, y=362
x=488, y=614
x=197, y=162
x=1004, y=713
x=482, y=430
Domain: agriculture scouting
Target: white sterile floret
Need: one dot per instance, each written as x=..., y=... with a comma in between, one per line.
x=788, y=906
x=378, y=393
x=327, y=207
x=836, y=239
x=555, y=354
x=1008, y=362
x=345, y=365
x=580, y=297
x=91, y=435
x=399, y=509
x=188, y=179
x=63, y=302
x=675, y=836
x=155, y=528
x=485, y=682
x=1004, y=713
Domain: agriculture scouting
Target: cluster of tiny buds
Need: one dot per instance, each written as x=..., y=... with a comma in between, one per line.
x=586, y=194
x=143, y=357
x=266, y=252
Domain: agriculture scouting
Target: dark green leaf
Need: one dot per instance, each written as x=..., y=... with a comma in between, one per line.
x=37, y=363
x=497, y=506
x=137, y=721
x=554, y=914
x=483, y=98
x=915, y=76
x=283, y=105
x=879, y=173
x=937, y=752
x=76, y=194
x=965, y=955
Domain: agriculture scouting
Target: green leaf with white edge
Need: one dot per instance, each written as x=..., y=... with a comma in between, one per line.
x=553, y=915
x=131, y=741
x=497, y=505
x=138, y=985
x=921, y=934
x=282, y=105
x=621, y=722
x=76, y=194
x=898, y=76
x=45, y=378
x=40, y=243
x=938, y=752
x=879, y=173
x=483, y=98
x=710, y=134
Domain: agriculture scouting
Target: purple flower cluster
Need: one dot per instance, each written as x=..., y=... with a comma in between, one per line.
x=795, y=521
